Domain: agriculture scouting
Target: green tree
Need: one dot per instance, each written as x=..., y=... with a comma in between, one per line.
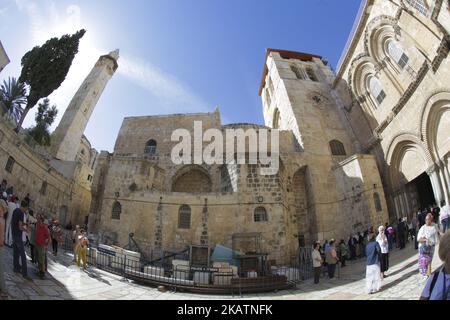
x=45, y=68
x=13, y=95
x=44, y=119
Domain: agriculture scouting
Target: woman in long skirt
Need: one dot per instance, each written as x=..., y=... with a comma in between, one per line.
x=427, y=237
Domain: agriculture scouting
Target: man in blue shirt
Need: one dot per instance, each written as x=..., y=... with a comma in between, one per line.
x=373, y=271
x=18, y=226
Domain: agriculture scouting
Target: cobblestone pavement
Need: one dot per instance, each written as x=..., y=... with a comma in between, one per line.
x=66, y=281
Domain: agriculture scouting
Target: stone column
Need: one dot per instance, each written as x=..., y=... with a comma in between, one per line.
x=204, y=238
x=445, y=181
x=157, y=244
x=433, y=173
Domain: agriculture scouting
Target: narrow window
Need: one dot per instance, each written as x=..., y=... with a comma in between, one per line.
x=43, y=190
x=260, y=214
x=377, y=201
x=116, y=211
x=276, y=119
x=10, y=164
x=376, y=90
x=184, y=217
x=150, y=147
x=337, y=148
x=397, y=53
x=311, y=74
x=298, y=72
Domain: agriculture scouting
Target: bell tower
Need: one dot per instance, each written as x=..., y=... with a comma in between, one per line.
x=67, y=136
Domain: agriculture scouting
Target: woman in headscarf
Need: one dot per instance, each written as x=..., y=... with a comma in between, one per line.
x=427, y=237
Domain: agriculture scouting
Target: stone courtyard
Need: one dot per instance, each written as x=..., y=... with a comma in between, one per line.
x=66, y=282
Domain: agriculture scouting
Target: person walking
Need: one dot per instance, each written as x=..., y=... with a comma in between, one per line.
x=75, y=240
x=56, y=235
x=317, y=262
x=428, y=237
x=331, y=258
x=445, y=215
x=82, y=250
x=438, y=286
x=42, y=241
x=32, y=237
x=401, y=233
x=3, y=211
x=12, y=205
x=373, y=271
x=343, y=253
x=18, y=227
x=384, y=245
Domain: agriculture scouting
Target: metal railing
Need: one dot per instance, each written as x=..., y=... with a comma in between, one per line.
x=219, y=280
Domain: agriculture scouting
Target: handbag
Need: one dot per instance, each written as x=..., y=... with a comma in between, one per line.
x=425, y=249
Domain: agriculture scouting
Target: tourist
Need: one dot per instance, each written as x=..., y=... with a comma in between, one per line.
x=384, y=245
x=331, y=259
x=3, y=211
x=82, y=249
x=438, y=286
x=12, y=205
x=56, y=234
x=27, y=199
x=3, y=186
x=445, y=215
x=32, y=236
x=414, y=229
x=401, y=234
x=10, y=191
x=373, y=273
x=343, y=253
x=75, y=241
x=390, y=236
x=42, y=241
x=352, y=248
x=69, y=226
x=427, y=237
x=18, y=227
x=317, y=262
x=436, y=213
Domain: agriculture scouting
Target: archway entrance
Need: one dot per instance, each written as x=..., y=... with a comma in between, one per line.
x=424, y=191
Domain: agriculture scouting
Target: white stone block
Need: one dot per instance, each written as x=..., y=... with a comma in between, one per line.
x=202, y=278
x=154, y=271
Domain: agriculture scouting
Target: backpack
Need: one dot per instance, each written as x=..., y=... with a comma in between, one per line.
x=433, y=281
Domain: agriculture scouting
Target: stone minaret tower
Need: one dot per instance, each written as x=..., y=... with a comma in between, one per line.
x=67, y=136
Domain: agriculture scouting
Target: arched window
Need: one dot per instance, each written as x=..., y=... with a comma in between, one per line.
x=376, y=90
x=260, y=214
x=377, y=201
x=184, y=217
x=43, y=190
x=397, y=53
x=419, y=5
x=311, y=74
x=116, y=211
x=276, y=119
x=337, y=148
x=150, y=147
x=10, y=164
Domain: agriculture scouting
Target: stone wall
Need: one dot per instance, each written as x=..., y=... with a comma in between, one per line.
x=50, y=191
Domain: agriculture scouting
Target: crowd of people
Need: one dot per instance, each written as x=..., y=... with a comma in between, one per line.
x=21, y=228
x=425, y=229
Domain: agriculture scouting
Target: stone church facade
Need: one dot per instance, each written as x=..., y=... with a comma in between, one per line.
x=359, y=147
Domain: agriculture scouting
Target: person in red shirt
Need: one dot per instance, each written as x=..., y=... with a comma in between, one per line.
x=42, y=241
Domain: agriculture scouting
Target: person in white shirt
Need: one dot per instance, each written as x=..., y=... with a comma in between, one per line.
x=317, y=262
x=428, y=238
x=384, y=244
x=444, y=217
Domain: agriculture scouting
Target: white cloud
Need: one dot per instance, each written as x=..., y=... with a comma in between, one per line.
x=47, y=21
x=172, y=94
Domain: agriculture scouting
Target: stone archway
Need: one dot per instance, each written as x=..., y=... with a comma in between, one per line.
x=192, y=179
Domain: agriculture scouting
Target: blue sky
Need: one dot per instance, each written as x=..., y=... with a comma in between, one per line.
x=177, y=56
